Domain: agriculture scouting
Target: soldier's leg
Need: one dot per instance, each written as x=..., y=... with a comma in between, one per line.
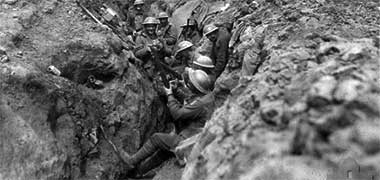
x=144, y=152
x=165, y=141
x=144, y=168
x=160, y=143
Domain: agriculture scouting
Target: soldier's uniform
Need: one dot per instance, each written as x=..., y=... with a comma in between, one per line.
x=190, y=33
x=185, y=60
x=169, y=34
x=143, y=50
x=167, y=31
x=219, y=51
x=189, y=118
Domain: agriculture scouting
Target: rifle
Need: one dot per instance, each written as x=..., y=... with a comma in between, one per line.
x=114, y=29
x=159, y=66
x=170, y=70
x=88, y=12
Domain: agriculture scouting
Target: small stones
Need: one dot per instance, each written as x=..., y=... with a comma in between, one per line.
x=321, y=92
x=3, y=56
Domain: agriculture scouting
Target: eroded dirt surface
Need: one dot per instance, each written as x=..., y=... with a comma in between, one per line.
x=312, y=104
x=50, y=125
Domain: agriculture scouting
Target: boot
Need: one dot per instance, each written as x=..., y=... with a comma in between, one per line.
x=145, y=168
x=144, y=152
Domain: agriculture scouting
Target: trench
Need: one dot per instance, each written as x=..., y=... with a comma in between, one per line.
x=53, y=127
x=64, y=117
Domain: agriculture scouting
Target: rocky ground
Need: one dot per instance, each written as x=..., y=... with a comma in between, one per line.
x=312, y=104
x=50, y=125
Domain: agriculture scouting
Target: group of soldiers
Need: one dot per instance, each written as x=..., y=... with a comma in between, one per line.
x=190, y=98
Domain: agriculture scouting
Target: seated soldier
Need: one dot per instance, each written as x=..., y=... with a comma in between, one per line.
x=190, y=32
x=189, y=118
x=203, y=63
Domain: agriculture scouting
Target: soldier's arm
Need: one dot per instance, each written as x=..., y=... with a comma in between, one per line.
x=171, y=36
x=221, y=56
x=182, y=112
x=141, y=49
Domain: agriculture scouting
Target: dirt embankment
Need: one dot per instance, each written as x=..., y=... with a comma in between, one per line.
x=50, y=124
x=311, y=111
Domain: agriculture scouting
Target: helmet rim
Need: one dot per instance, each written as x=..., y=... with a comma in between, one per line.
x=195, y=83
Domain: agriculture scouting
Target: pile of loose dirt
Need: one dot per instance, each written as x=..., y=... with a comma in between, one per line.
x=312, y=107
x=50, y=125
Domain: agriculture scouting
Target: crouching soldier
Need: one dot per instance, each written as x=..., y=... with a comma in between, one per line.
x=184, y=56
x=205, y=64
x=189, y=118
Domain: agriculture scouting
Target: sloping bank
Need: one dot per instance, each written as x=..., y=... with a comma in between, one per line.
x=50, y=125
x=311, y=111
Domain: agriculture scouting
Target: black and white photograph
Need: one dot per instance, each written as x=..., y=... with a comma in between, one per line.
x=189, y=89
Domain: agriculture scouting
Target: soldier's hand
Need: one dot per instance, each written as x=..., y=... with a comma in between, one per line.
x=159, y=33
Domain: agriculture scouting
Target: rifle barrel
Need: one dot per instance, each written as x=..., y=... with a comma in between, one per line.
x=88, y=12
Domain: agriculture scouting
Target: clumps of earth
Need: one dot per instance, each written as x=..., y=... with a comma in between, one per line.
x=311, y=110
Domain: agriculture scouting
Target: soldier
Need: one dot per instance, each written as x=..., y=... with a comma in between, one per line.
x=220, y=38
x=205, y=64
x=190, y=32
x=135, y=17
x=185, y=55
x=166, y=30
x=189, y=118
x=148, y=46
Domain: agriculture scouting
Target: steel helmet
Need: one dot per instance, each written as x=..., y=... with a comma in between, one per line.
x=183, y=45
x=151, y=20
x=204, y=61
x=137, y=2
x=200, y=80
x=162, y=15
x=209, y=29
